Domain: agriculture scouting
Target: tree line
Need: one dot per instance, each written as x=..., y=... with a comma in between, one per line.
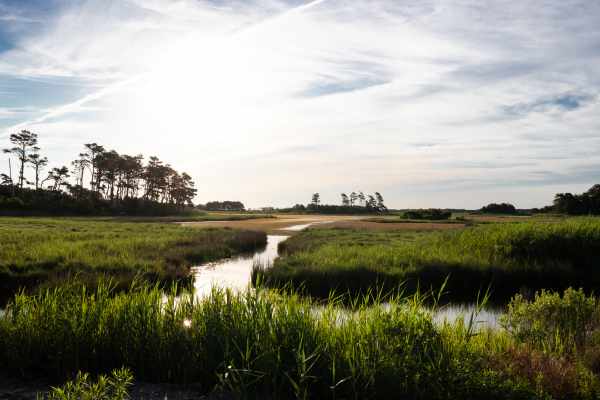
x=97, y=175
x=586, y=203
x=227, y=205
x=353, y=203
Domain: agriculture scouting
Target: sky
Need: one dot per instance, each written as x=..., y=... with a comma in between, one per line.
x=433, y=103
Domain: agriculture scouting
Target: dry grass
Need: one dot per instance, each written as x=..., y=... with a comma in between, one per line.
x=283, y=221
x=392, y=226
x=273, y=225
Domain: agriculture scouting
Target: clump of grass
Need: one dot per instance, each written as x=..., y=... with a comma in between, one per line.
x=254, y=344
x=36, y=250
x=113, y=387
x=510, y=256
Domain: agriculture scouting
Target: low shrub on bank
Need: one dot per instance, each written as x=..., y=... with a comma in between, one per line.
x=511, y=257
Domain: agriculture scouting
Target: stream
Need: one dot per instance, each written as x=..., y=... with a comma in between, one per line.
x=234, y=273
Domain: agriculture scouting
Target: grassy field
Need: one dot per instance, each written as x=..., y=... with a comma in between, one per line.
x=511, y=257
x=38, y=250
x=261, y=344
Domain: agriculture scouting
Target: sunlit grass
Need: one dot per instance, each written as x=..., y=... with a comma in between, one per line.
x=507, y=256
x=39, y=249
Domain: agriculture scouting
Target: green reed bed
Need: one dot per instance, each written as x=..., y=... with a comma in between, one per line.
x=264, y=345
x=35, y=250
x=509, y=257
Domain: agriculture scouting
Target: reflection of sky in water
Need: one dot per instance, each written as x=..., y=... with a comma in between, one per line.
x=235, y=272
x=486, y=318
x=303, y=226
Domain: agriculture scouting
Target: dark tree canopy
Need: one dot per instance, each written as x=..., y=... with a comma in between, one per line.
x=587, y=203
x=227, y=205
x=99, y=180
x=499, y=208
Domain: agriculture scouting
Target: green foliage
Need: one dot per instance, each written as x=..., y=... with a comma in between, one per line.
x=555, y=323
x=502, y=208
x=42, y=249
x=427, y=214
x=113, y=387
x=254, y=344
x=507, y=256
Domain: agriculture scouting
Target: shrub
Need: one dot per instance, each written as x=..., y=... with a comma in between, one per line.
x=553, y=323
x=431, y=213
x=502, y=208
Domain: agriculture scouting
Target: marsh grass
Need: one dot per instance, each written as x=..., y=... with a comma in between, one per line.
x=45, y=250
x=253, y=344
x=511, y=257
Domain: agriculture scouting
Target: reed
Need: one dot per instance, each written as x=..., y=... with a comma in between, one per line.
x=38, y=250
x=509, y=257
x=252, y=344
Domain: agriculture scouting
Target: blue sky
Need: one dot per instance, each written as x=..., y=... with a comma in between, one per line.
x=434, y=103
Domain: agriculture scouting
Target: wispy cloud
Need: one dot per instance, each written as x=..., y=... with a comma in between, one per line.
x=307, y=96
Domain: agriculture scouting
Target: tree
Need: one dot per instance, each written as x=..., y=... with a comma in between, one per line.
x=38, y=162
x=371, y=202
x=316, y=199
x=345, y=200
x=380, y=206
x=92, y=156
x=362, y=198
x=79, y=167
x=353, y=198
x=59, y=176
x=5, y=179
x=23, y=142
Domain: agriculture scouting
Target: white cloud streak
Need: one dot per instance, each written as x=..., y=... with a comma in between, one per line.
x=409, y=98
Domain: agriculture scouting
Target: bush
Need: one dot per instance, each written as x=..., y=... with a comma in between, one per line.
x=502, y=208
x=431, y=213
x=554, y=323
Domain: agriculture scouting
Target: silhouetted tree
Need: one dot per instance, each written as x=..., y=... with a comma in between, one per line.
x=380, y=206
x=316, y=199
x=361, y=198
x=59, y=176
x=23, y=142
x=38, y=162
x=92, y=156
x=345, y=200
x=353, y=198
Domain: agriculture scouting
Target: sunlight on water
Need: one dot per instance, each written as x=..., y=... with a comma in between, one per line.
x=300, y=227
x=486, y=318
x=234, y=273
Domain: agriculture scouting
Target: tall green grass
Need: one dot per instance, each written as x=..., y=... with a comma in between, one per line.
x=511, y=257
x=254, y=344
x=35, y=250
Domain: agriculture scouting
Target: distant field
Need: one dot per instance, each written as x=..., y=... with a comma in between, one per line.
x=508, y=256
x=39, y=249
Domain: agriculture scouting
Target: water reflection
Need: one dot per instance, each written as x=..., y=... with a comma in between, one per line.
x=300, y=227
x=485, y=318
x=234, y=273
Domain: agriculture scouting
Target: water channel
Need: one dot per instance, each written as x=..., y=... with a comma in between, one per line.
x=234, y=273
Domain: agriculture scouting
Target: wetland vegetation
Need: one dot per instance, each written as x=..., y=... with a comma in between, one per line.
x=507, y=257
x=45, y=250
